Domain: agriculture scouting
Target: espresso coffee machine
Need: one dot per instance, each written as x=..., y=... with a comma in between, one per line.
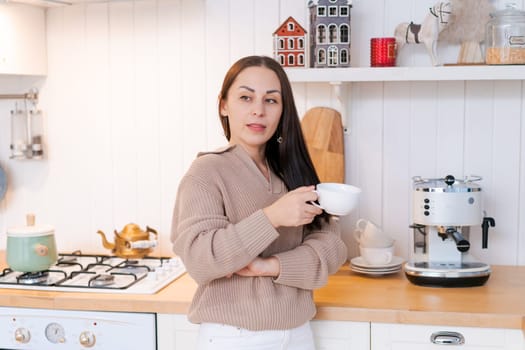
x=444, y=209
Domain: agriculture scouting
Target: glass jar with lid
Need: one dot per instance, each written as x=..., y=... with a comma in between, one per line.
x=505, y=37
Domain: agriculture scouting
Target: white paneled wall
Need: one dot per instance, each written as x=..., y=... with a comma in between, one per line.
x=130, y=98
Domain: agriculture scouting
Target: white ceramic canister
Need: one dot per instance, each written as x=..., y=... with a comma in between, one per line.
x=31, y=248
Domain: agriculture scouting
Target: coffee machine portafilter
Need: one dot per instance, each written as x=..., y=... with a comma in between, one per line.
x=444, y=209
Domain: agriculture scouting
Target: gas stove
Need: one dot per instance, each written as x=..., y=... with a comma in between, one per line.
x=77, y=272
x=44, y=329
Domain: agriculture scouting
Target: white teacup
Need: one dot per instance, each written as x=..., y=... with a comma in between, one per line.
x=370, y=235
x=336, y=198
x=377, y=256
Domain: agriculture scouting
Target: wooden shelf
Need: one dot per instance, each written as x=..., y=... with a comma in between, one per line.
x=442, y=73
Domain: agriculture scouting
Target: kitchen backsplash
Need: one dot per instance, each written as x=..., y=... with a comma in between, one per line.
x=130, y=98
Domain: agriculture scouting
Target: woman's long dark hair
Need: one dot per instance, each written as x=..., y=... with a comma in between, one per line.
x=288, y=159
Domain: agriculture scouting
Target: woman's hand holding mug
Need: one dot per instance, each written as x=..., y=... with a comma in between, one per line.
x=294, y=208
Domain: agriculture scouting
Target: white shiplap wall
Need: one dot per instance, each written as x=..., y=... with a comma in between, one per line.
x=130, y=98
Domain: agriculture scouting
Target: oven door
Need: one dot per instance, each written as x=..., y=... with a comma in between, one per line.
x=43, y=329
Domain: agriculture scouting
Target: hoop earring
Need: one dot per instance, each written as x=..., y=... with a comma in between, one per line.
x=280, y=139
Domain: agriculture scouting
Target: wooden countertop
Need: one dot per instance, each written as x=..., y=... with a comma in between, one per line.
x=349, y=296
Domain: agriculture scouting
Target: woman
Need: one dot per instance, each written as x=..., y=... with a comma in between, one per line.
x=243, y=223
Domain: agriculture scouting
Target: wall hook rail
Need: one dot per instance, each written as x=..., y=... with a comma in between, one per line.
x=32, y=96
x=25, y=142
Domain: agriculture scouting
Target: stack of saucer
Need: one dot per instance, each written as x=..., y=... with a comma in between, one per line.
x=358, y=264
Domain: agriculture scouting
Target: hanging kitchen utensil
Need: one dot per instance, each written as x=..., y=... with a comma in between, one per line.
x=26, y=131
x=132, y=242
x=3, y=183
x=19, y=133
x=323, y=133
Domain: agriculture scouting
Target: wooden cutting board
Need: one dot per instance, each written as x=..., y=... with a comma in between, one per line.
x=323, y=133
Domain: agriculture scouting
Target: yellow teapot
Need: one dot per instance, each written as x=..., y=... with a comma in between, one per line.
x=132, y=242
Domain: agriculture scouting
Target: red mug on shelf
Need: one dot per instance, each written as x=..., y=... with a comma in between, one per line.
x=383, y=52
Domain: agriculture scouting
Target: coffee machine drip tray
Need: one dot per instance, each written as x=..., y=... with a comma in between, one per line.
x=464, y=274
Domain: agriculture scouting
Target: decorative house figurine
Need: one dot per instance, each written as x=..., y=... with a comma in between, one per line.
x=329, y=33
x=290, y=44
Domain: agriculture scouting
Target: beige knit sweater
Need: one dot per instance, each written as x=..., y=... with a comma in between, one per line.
x=219, y=227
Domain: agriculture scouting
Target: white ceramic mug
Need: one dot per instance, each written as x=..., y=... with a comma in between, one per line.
x=336, y=198
x=377, y=256
x=367, y=234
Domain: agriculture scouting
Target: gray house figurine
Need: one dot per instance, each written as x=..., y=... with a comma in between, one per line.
x=329, y=33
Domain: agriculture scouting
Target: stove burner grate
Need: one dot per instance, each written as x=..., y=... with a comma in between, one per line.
x=133, y=265
x=40, y=278
x=33, y=277
x=105, y=281
x=98, y=272
x=101, y=280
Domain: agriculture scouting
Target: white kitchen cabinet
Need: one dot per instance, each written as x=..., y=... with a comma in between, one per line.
x=175, y=332
x=22, y=39
x=341, y=335
x=386, y=336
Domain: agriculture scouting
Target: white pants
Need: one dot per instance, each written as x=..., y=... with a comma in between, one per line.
x=213, y=336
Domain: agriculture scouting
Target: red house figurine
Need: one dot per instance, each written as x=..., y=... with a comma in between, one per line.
x=289, y=44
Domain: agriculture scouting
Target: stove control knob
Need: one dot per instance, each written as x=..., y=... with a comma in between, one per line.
x=87, y=339
x=22, y=335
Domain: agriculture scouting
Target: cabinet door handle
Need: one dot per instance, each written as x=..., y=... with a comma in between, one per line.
x=447, y=338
